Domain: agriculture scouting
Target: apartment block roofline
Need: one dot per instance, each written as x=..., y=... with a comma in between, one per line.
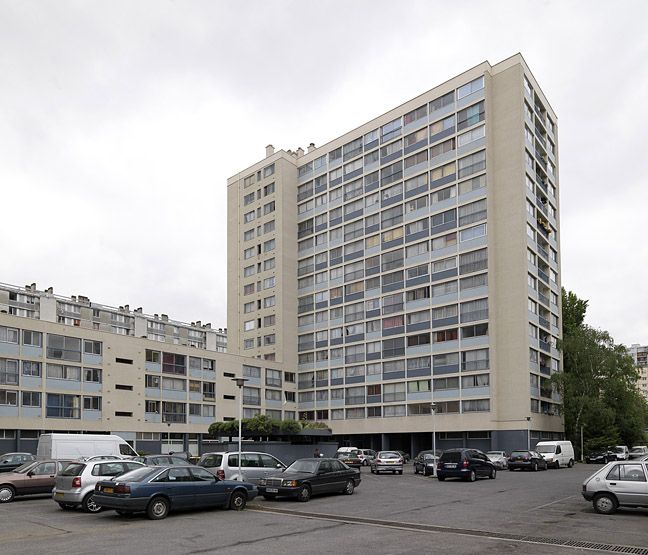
x=313, y=151
x=82, y=300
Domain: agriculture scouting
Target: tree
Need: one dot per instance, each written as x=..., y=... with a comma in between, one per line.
x=598, y=383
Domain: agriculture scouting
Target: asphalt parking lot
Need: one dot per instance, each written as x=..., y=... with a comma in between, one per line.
x=519, y=512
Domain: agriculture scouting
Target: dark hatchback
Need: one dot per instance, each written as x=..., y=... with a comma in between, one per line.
x=425, y=463
x=526, y=460
x=11, y=461
x=601, y=457
x=159, y=490
x=467, y=464
x=307, y=477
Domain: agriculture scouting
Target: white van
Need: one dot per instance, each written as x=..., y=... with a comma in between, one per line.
x=556, y=453
x=77, y=446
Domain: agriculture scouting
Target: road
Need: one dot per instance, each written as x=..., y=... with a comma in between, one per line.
x=519, y=512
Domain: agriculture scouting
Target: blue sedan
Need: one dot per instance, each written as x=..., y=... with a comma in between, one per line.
x=159, y=490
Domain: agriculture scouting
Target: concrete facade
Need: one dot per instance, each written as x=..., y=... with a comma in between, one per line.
x=412, y=260
x=64, y=368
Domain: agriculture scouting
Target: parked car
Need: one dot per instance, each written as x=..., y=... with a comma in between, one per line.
x=526, y=460
x=556, y=453
x=406, y=456
x=498, y=458
x=622, y=452
x=307, y=477
x=600, y=457
x=350, y=458
x=159, y=490
x=638, y=452
x=104, y=458
x=425, y=462
x=11, y=461
x=30, y=478
x=387, y=461
x=467, y=464
x=162, y=460
x=621, y=483
x=254, y=465
x=75, y=484
x=366, y=456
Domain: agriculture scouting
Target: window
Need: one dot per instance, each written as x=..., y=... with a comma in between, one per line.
x=32, y=338
x=474, y=261
x=92, y=375
x=471, y=136
x=63, y=348
x=472, y=233
x=476, y=380
x=442, y=148
x=92, y=403
x=391, y=173
x=443, y=171
x=480, y=280
x=445, y=335
x=8, y=398
x=444, y=241
x=92, y=347
x=63, y=406
x=60, y=372
x=442, y=101
x=416, y=159
x=472, y=164
x=470, y=88
x=442, y=125
x=472, y=184
x=174, y=364
x=30, y=368
x=8, y=335
x=31, y=399
x=418, y=294
x=476, y=405
x=470, y=116
x=174, y=384
x=474, y=331
x=473, y=212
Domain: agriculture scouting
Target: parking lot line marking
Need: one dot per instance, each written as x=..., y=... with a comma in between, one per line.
x=431, y=528
x=551, y=503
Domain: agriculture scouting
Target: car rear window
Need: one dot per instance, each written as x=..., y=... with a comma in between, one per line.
x=454, y=456
x=389, y=455
x=141, y=474
x=519, y=453
x=73, y=469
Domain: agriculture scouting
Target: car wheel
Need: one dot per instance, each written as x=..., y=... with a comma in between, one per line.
x=7, y=494
x=89, y=505
x=238, y=500
x=557, y=465
x=416, y=470
x=570, y=464
x=373, y=471
x=349, y=488
x=304, y=494
x=400, y=471
x=493, y=474
x=158, y=508
x=66, y=506
x=605, y=504
x=269, y=497
x=425, y=472
x=535, y=467
x=472, y=476
x=365, y=463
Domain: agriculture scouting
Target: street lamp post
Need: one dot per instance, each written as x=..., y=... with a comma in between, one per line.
x=239, y=383
x=433, y=410
x=528, y=419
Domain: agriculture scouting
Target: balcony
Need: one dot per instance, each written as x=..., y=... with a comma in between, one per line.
x=173, y=418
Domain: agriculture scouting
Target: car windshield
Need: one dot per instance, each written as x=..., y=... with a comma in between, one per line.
x=22, y=469
x=429, y=456
x=637, y=450
x=495, y=454
x=303, y=466
x=619, y=449
x=519, y=453
x=139, y=474
x=545, y=448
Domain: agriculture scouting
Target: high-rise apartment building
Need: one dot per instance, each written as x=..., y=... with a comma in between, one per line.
x=409, y=270
x=640, y=356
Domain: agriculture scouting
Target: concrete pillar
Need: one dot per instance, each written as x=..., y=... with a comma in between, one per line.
x=384, y=442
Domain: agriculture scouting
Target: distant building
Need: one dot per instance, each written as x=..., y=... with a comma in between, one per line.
x=640, y=355
x=72, y=365
x=414, y=259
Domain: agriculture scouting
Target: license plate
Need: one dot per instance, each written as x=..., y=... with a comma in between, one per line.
x=272, y=490
x=390, y=462
x=59, y=494
x=451, y=465
x=107, y=490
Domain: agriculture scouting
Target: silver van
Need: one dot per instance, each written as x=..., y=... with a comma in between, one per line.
x=254, y=465
x=75, y=484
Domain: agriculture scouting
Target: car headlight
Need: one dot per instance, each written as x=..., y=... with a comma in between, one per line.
x=262, y=482
x=289, y=483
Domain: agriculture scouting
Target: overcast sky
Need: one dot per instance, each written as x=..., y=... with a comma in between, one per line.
x=120, y=122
